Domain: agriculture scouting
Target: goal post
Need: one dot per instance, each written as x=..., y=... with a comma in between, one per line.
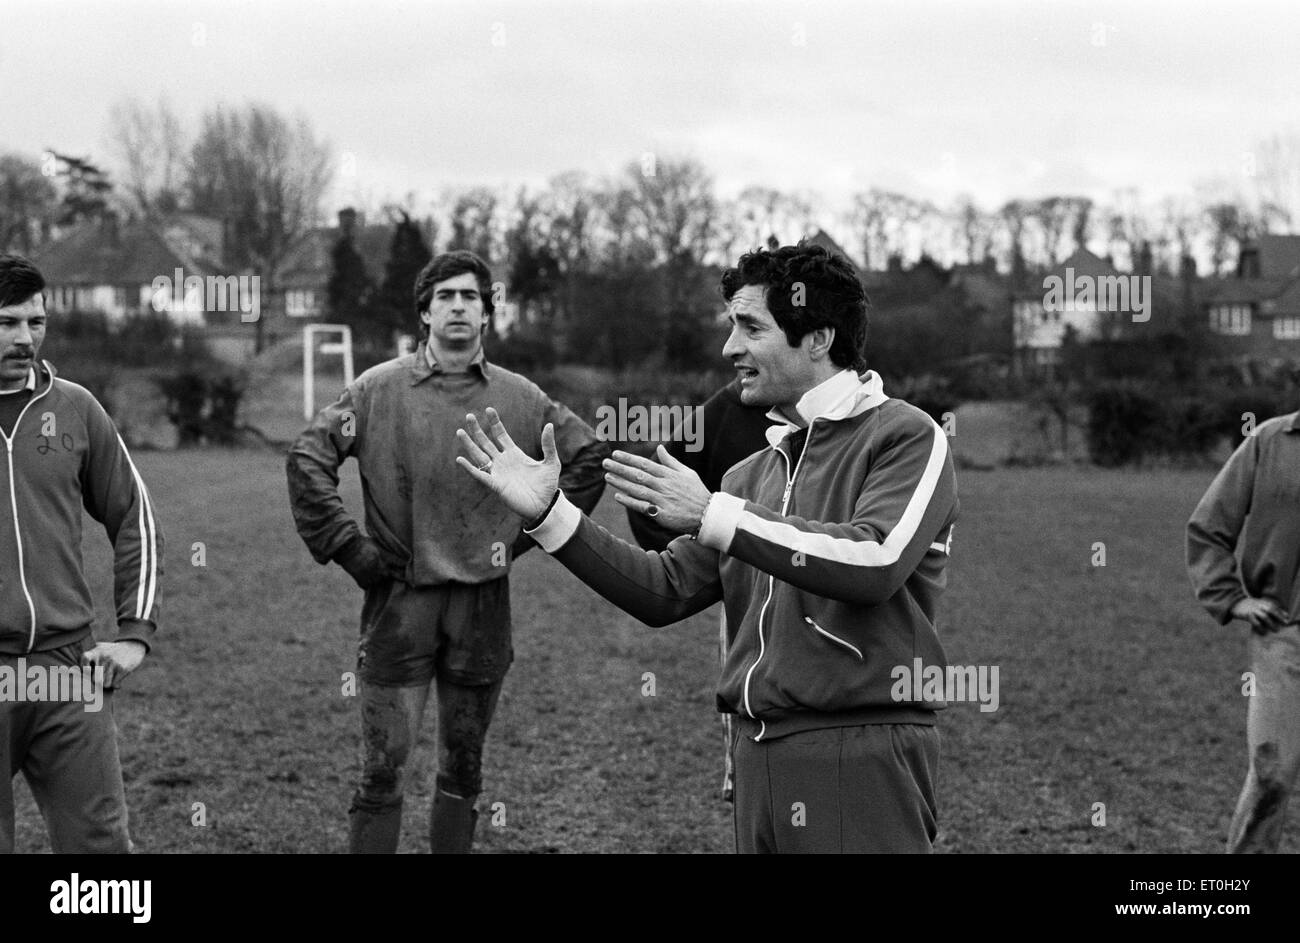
x=343, y=345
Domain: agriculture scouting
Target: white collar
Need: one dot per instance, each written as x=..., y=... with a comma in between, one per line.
x=838, y=397
x=29, y=385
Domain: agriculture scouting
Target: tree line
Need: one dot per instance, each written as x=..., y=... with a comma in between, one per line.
x=618, y=269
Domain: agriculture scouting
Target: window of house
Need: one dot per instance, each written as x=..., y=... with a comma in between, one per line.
x=1286, y=329
x=299, y=303
x=1230, y=319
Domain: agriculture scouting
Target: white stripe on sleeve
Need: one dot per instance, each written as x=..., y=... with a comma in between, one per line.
x=868, y=553
x=148, y=543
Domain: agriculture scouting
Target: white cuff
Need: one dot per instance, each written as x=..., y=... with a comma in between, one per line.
x=721, y=517
x=556, y=527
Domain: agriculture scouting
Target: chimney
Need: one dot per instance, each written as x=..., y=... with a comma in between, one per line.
x=1248, y=262
x=347, y=222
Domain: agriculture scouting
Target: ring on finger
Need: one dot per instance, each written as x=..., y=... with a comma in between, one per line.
x=652, y=510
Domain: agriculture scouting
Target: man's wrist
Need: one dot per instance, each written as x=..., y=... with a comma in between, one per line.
x=537, y=521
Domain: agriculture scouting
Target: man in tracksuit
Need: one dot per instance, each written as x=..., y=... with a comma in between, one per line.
x=827, y=549
x=1243, y=556
x=63, y=453
x=436, y=553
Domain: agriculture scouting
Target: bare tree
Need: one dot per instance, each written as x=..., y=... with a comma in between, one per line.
x=973, y=229
x=1277, y=181
x=674, y=204
x=1059, y=217
x=476, y=221
x=149, y=146
x=1014, y=215
x=886, y=224
x=1231, y=226
x=28, y=204
x=265, y=175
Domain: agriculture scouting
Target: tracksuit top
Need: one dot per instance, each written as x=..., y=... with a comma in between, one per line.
x=1244, y=536
x=830, y=562
x=65, y=454
x=433, y=523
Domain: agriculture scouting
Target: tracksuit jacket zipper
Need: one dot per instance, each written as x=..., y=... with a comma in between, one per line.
x=771, y=580
x=13, y=505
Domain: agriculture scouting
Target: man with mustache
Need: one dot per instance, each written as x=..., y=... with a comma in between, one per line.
x=435, y=556
x=828, y=550
x=63, y=453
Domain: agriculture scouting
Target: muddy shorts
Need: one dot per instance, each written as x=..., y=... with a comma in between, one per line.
x=456, y=631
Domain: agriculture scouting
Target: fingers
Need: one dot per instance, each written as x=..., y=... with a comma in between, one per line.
x=634, y=504
x=632, y=475
x=481, y=476
x=480, y=438
x=471, y=449
x=670, y=460
x=624, y=486
x=498, y=431
x=630, y=462
x=104, y=667
x=549, y=452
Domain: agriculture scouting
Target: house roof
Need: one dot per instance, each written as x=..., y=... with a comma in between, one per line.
x=103, y=253
x=1085, y=263
x=983, y=288
x=1245, y=290
x=1279, y=256
x=823, y=239
x=1287, y=304
x=309, y=263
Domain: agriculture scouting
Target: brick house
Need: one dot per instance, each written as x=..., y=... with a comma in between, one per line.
x=110, y=266
x=1254, y=315
x=302, y=279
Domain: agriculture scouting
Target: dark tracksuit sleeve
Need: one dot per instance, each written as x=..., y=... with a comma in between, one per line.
x=115, y=495
x=657, y=588
x=582, y=477
x=1213, y=529
x=312, y=468
x=908, y=496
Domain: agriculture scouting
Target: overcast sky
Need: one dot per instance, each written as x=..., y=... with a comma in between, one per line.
x=996, y=99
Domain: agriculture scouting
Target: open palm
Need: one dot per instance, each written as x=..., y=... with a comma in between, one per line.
x=523, y=484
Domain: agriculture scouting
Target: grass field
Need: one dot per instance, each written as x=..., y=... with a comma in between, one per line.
x=1115, y=687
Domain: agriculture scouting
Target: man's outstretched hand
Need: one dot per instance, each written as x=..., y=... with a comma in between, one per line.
x=667, y=490
x=523, y=484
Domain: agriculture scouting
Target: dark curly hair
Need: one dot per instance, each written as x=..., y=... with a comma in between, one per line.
x=832, y=296
x=449, y=265
x=19, y=280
